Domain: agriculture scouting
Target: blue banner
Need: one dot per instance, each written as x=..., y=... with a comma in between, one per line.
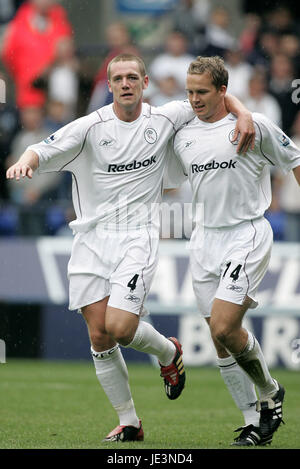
x=146, y=6
x=35, y=271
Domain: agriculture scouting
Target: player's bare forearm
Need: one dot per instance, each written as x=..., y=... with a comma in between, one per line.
x=244, y=127
x=25, y=166
x=297, y=174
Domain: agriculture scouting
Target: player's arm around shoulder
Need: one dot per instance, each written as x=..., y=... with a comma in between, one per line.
x=24, y=167
x=178, y=112
x=244, y=129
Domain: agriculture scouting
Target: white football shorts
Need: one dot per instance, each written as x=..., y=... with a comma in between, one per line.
x=230, y=263
x=119, y=264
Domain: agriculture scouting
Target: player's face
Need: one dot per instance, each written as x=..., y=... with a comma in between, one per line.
x=127, y=84
x=206, y=101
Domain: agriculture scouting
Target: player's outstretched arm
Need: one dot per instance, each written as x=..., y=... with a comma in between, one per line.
x=244, y=126
x=25, y=166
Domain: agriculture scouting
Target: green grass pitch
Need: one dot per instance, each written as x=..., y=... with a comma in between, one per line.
x=60, y=405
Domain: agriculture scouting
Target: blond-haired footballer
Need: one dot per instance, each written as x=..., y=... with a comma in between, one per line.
x=230, y=259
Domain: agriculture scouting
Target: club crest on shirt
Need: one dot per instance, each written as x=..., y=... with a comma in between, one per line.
x=106, y=142
x=230, y=136
x=284, y=140
x=150, y=135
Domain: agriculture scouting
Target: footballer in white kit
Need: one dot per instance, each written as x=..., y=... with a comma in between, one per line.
x=115, y=199
x=230, y=255
x=230, y=258
x=230, y=251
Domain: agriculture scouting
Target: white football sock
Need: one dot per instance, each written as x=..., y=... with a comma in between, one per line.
x=252, y=361
x=241, y=389
x=111, y=371
x=149, y=340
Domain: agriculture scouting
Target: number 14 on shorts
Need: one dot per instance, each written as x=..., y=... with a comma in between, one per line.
x=232, y=271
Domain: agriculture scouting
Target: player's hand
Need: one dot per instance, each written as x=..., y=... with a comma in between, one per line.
x=245, y=132
x=17, y=171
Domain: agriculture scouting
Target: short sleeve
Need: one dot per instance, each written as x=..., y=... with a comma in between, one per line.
x=60, y=148
x=275, y=145
x=174, y=174
x=178, y=112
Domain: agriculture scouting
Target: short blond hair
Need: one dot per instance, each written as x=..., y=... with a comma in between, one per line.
x=127, y=58
x=214, y=66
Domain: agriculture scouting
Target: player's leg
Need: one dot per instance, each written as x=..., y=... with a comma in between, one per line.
x=95, y=255
x=130, y=284
x=247, y=251
x=111, y=371
x=130, y=331
x=226, y=329
x=238, y=383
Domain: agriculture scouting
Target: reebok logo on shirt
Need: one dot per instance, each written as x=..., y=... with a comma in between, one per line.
x=119, y=168
x=199, y=168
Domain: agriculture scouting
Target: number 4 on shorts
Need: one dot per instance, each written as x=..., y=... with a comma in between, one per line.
x=132, y=283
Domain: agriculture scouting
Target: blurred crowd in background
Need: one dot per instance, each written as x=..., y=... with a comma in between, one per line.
x=41, y=64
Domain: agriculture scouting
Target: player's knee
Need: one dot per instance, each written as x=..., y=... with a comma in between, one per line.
x=222, y=333
x=121, y=326
x=98, y=338
x=121, y=333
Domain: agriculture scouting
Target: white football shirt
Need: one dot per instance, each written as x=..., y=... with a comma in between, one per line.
x=117, y=166
x=232, y=188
